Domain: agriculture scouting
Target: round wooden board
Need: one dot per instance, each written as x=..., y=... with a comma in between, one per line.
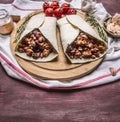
x=58, y=69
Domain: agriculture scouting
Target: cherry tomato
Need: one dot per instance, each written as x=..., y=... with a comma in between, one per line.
x=54, y=5
x=65, y=7
x=45, y=5
x=49, y=12
x=58, y=12
x=71, y=11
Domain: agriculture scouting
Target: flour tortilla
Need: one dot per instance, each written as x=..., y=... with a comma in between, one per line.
x=47, y=26
x=68, y=33
x=80, y=23
x=70, y=27
x=34, y=22
x=48, y=29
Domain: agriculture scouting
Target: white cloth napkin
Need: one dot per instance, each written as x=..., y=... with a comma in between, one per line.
x=100, y=76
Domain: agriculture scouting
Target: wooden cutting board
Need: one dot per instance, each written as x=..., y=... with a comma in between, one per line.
x=58, y=69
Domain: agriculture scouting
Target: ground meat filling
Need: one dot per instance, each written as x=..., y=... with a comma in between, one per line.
x=35, y=45
x=85, y=47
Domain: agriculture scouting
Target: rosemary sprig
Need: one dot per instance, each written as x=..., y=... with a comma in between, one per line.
x=94, y=23
x=21, y=28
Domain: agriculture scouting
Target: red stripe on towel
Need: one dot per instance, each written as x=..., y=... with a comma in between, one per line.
x=23, y=9
x=36, y=82
x=21, y=72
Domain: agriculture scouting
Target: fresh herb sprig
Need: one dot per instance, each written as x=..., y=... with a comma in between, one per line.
x=21, y=28
x=94, y=23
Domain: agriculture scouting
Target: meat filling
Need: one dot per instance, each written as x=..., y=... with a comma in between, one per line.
x=35, y=45
x=85, y=47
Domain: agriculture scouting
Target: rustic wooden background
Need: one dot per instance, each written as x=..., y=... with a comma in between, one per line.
x=22, y=102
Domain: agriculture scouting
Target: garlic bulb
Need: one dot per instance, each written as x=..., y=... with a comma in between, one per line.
x=86, y=5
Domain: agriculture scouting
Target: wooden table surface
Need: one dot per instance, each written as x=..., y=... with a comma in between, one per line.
x=22, y=102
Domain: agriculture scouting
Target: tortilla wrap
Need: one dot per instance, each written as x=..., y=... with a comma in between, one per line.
x=80, y=23
x=47, y=26
x=34, y=22
x=70, y=27
x=68, y=33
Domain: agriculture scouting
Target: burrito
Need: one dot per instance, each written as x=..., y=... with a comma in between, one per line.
x=38, y=42
x=81, y=43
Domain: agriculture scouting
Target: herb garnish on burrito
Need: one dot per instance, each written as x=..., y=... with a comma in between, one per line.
x=38, y=42
x=80, y=42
